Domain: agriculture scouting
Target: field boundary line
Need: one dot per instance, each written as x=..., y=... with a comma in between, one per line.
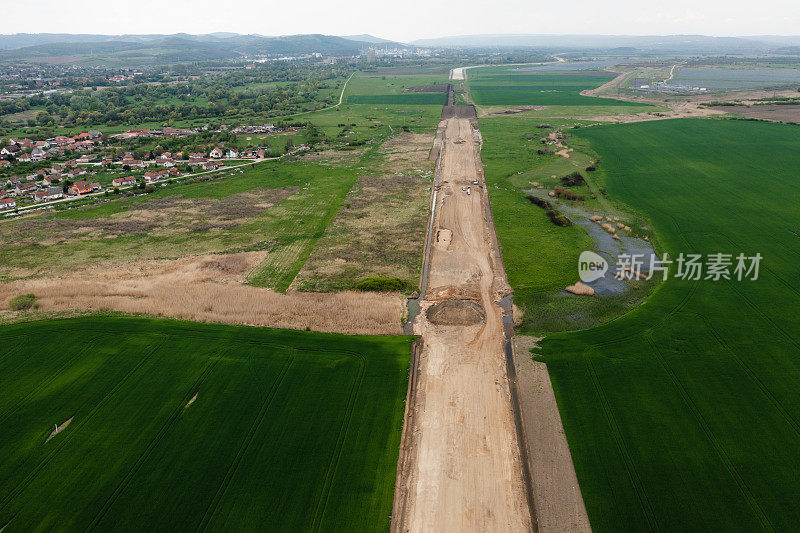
x=333, y=464
x=213, y=506
x=622, y=448
x=753, y=375
x=403, y=459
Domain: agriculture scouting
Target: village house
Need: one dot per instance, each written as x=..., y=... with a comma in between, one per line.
x=166, y=163
x=135, y=163
x=7, y=203
x=86, y=158
x=38, y=155
x=4, y=163
x=12, y=149
x=52, y=179
x=177, y=132
x=231, y=154
x=127, y=181
x=150, y=177
x=24, y=158
x=13, y=181
x=212, y=165
x=216, y=153
x=25, y=188
x=80, y=187
x=45, y=195
x=197, y=161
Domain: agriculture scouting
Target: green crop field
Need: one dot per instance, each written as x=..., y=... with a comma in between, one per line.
x=500, y=86
x=437, y=99
x=186, y=426
x=685, y=414
x=388, y=90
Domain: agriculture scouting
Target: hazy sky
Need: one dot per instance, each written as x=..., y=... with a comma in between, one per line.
x=404, y=20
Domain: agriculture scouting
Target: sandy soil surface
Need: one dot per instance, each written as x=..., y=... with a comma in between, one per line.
x=557, y=497
x=208, y=288
x=460, y=466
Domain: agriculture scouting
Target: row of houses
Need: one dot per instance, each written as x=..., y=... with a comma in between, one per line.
x=27, y=150
x=165, y=132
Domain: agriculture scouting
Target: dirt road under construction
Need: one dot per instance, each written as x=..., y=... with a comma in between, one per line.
x=460, y=466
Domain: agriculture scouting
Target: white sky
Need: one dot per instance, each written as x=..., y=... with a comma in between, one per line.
x=405, y=20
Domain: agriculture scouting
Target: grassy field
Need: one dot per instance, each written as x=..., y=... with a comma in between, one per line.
x=280, y=206
x=194, y=426
x=388, y=90
x=501, y=86
x=437, y=99
x=684, y=413
x=380, y=229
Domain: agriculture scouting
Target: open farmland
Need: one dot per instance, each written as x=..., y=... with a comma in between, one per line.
x=275, y=206
x=365, y=89
x=191, y=426
x=380, y=229
x=501, y=86
x=684, y=413
x=735, y=78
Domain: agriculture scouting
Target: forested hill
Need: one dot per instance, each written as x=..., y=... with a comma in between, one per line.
x=136, y=50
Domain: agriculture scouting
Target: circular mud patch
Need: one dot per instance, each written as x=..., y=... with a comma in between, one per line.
x=456, y=313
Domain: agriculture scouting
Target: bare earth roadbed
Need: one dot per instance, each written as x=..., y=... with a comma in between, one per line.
x=460, y=467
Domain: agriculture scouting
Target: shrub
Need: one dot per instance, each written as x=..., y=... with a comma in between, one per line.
x=377, y=284
x=558, y=219
x=23, y=302
x=535, y=200
x=555, y=217
x=573, y=179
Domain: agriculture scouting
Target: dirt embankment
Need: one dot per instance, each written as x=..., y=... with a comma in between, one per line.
x=557, y=496
x=208, y=288
x=462, y=469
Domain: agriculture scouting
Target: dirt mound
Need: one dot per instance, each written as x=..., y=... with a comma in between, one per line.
x=456, y=313
x=580, y=288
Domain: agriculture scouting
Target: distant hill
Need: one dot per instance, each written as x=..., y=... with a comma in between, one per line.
x=664, y=43
x=366, y=38
x=135, y=50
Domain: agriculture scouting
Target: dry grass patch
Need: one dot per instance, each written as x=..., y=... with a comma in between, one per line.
x=209, y=288
x=380, y=229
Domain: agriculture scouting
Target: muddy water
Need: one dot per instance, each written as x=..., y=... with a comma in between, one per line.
x=605, y=245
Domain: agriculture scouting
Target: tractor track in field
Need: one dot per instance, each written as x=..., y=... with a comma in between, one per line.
x=211, y=510
x=163, y=430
